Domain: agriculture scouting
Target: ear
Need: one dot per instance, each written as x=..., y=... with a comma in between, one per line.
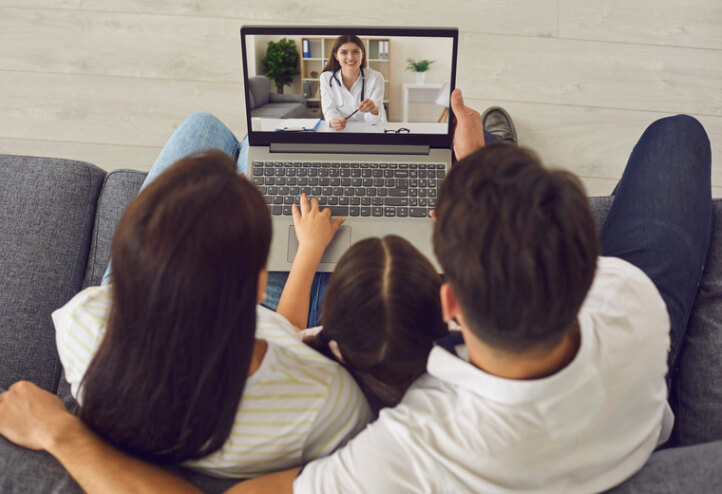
x=449, y=305
x=262, y=282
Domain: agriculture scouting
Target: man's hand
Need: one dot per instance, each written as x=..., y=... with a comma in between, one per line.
x=30, y=416
x=368, y=106
x=35, y=419
x=468, y=131
x=314, y=228
x=338, y=123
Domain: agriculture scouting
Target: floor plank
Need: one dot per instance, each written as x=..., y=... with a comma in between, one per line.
x=527, y=17
x=106, y=156
x=605, y=186
x=120, y=44
x=109, y=110
x=590, y=142
x=44, y=4
x=692, y=23
x=610, y=75
x=106, y=80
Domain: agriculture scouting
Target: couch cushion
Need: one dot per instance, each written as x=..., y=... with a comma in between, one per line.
x=260, y=86
x=675, y=470
x=47, y=207
x=119, y=188
x=23, y=471
x=698, y=388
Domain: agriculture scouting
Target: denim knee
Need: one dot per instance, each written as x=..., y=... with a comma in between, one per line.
x=680, y=126
x=203, y=120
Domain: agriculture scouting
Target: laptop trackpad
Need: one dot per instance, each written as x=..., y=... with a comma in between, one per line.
x=341, y=241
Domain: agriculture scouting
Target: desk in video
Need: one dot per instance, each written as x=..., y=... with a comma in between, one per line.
x=349, y=83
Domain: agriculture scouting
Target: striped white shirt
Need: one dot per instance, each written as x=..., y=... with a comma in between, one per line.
x=297, y=406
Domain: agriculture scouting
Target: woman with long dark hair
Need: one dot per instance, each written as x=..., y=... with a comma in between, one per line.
x=351, y=91
x=174, y=360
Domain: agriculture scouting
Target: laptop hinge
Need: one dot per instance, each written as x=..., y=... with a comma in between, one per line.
x=305, y=147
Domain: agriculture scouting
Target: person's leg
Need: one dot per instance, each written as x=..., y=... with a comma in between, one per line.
x=198, y=132
x=661, y=216
x=276, y=282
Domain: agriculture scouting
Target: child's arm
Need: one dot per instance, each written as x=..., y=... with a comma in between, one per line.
x=314, y=231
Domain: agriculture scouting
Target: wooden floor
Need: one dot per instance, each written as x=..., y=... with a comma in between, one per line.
x=108, y=81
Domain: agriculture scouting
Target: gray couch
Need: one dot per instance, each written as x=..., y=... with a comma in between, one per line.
x=265, y=104
x=56, y=222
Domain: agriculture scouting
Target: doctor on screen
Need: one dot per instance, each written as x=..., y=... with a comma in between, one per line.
x=350, y=91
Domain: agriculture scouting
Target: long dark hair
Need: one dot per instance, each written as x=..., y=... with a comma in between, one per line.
x=332, y=63
x=167, y=379
x=382, y=307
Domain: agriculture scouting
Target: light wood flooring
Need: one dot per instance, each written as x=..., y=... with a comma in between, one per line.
x=107, y=81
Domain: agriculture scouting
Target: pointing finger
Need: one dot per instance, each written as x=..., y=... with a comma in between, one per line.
x=305, y=208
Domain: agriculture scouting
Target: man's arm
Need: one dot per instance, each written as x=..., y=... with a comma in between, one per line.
x=35, y=419
x=314, y=231
x=279, y=482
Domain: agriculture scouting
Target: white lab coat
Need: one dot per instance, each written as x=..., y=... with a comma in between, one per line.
x=338, y=102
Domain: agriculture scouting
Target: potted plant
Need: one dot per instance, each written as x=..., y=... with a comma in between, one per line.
x=419, y=67
x=281, y=62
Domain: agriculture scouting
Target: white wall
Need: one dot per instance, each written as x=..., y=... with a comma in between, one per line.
x=402, y=49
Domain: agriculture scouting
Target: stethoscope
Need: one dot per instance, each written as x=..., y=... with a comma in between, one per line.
x=363, y=81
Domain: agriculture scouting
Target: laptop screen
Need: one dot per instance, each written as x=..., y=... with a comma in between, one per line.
x=348, y=84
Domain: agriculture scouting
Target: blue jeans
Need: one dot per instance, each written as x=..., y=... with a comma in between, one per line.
x=661, y=218
x=203, y=131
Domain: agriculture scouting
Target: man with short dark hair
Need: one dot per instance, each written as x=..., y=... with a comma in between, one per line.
x=556, y=382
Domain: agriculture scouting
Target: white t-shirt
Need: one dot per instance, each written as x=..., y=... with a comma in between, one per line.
x=337, y=101
x=297, y=406
x=584, y=429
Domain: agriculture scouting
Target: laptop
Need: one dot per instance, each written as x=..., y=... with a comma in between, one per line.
x=381, y=171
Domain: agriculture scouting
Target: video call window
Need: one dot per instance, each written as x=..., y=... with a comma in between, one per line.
x=349, y=83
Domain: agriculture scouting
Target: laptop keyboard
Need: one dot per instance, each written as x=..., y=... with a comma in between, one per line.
x=390, y=190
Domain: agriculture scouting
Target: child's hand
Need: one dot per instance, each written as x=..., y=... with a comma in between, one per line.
x=314, y=228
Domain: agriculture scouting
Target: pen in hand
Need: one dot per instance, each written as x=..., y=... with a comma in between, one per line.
x=354, y=113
